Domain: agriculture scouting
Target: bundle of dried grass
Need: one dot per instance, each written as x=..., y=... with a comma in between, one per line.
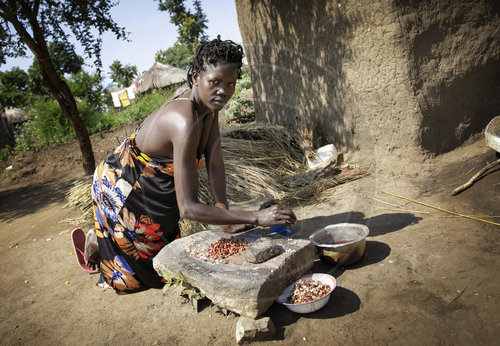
x=312, y=191
x=268, y=145
x=79, y=197
x=342, y=178
x=243, y=182
x=189, y=227
x=257, y=158
x=351, y=175
x=305, y=137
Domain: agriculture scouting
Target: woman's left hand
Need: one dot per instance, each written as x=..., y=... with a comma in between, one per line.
x=276, y=215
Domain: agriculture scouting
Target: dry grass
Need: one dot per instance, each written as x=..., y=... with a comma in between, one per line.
x=79, y=197
x=260, y=160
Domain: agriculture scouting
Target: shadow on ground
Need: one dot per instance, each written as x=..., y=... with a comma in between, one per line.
x=378, y=225
x=26, y=200
x=342, y=303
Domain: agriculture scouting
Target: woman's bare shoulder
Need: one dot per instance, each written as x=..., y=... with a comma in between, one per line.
x=169, y=123
x=176, y=114
x=171, y=114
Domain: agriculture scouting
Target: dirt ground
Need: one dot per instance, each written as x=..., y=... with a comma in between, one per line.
x=428, y=276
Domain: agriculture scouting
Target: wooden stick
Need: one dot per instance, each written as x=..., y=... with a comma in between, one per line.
x=481, y=216
x=474, y=178
x=378, y=200
x=396, y=206
x=458, y=296
x=446, y=211
x=398, y=209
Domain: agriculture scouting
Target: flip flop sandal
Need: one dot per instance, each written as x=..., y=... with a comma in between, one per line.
x=78, y=240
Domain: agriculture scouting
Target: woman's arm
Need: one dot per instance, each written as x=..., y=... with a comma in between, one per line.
x=185, y=135
x=215, y=165
x=217, y=175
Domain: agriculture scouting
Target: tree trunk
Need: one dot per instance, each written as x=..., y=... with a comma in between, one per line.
x=55, y=83
x=66, y=100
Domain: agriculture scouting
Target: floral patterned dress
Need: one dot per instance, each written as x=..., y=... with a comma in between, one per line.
x=135, y=215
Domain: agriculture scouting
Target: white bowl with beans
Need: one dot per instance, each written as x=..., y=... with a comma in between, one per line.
x=309, y=293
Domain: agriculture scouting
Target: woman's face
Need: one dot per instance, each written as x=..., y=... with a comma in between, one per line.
x=215, y=85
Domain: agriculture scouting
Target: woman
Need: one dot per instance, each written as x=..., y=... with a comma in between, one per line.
x=142, y=189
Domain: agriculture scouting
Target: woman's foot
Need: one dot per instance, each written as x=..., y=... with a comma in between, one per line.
x=102, y=283
x=83, y=244
x=93, y=257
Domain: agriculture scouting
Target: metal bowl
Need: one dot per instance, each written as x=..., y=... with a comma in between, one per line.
x=492, y=134
x=343, y=243
x=306, y=308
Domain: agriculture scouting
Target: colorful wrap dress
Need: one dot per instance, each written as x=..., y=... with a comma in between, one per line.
x=135, y=215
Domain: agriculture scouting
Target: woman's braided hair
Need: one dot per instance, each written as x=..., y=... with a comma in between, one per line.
x=215, y=51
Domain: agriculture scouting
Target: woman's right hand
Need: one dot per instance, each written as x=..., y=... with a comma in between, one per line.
x=275, y=215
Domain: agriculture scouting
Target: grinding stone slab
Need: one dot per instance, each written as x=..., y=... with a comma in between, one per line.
x=234, y=283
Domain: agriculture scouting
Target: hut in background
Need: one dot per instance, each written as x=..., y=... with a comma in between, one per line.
x=161, y=76
x=10, y=118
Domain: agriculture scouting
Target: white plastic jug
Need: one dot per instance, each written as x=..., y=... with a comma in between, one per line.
x=324, y=156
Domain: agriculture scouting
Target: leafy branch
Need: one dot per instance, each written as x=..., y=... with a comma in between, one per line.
x=192, y=293
x=172, y=280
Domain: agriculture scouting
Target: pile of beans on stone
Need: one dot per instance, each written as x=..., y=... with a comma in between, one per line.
x=308, y=291
x=225, y=247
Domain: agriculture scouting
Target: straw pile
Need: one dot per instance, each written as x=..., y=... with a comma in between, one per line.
x=260, y=160
x=256, y=158
x=80, y=198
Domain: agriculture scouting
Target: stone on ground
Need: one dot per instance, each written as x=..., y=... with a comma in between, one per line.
x=234, y=283
x=250, y=330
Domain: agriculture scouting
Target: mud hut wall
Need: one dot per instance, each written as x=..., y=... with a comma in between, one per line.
x=347, y=71
x=453, y=50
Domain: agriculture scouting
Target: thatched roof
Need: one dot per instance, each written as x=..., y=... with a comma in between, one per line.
x=15, y=115
x=161, y=75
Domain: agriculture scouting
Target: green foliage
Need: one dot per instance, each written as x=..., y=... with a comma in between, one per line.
x=191, y=26
x=87, y=86
x=146, y=105
x=14, y=88
x=54, y=20
x=36, y=84
x=64, y=57
x=27, y=139
x=192, y=293
x=178, y=55
x=172, y=280
x=50, y=123
x=239, y=108
x=19, y=88
x=5, y=153
x=122, y=75
x=27, y=23
x=49, y=126
x=65, y=60
x=94, y=120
